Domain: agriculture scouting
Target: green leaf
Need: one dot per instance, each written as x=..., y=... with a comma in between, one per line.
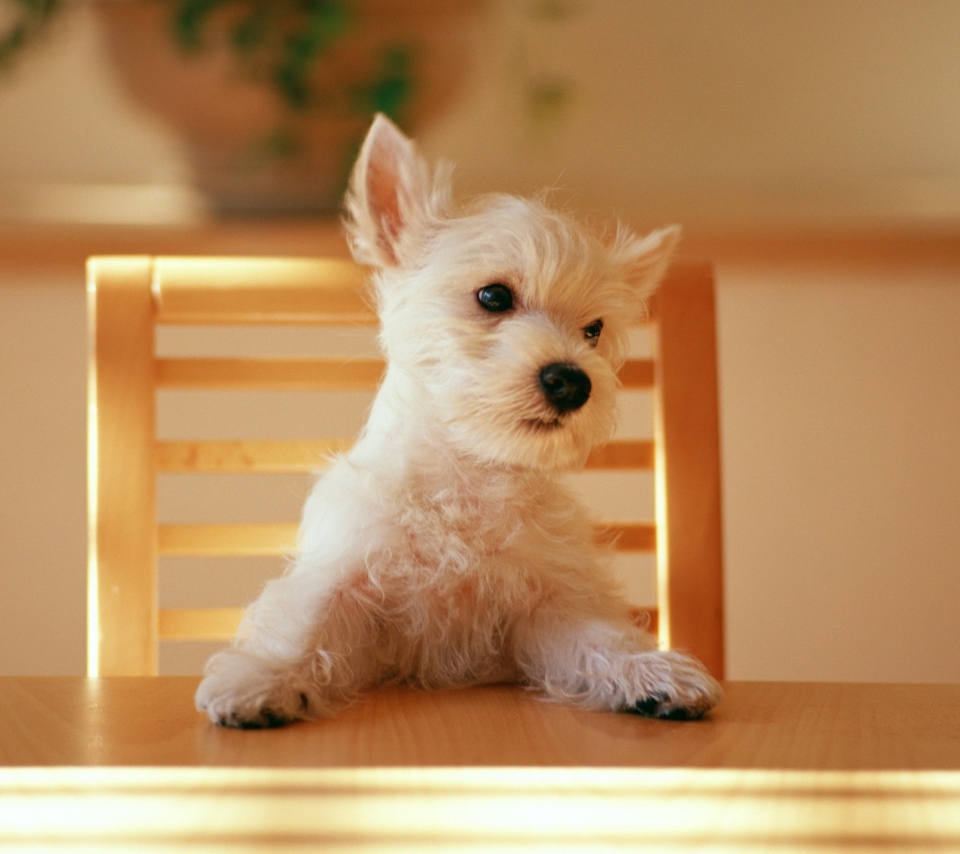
x=326, y=22
x=392, y=89
x=29, y=22
x=189, y=19
x=251, y=32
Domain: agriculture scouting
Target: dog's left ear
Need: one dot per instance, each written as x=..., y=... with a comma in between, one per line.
x=644, y=260
x=391, y=197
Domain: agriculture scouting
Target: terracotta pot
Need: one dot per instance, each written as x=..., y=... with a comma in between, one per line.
x=232, y=123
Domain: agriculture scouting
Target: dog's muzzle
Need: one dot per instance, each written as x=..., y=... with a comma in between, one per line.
x=565, y=386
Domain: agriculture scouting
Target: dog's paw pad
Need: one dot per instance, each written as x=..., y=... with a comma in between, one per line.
x=264, y=719
x=648, y=708
x=659, y=707
x=231, y=714
x=248, y=714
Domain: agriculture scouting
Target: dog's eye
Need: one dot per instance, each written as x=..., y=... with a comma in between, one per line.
x=495, y=297
x=592, y=332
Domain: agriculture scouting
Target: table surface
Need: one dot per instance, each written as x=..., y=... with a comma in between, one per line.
x=151, y=721
x=127, y=764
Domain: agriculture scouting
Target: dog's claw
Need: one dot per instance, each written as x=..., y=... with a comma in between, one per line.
x=657, y=707
x=267, y=719
x=648, y=708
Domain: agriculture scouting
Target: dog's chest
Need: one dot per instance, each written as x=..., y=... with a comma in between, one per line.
x=460, y=538
x=456, y=529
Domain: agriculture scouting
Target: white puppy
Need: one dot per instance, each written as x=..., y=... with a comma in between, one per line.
x=443, y=550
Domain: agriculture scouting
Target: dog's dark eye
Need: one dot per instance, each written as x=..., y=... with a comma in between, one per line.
x=592, y=332
x=495, y=297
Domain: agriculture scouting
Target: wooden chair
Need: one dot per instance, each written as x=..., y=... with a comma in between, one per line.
x=129, y=296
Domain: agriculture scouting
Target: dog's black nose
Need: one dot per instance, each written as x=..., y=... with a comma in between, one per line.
x=565, y=386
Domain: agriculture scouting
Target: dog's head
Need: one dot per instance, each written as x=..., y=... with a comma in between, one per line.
x=509, y=319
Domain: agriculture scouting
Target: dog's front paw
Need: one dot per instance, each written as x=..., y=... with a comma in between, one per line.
x=241, y=690
x=677, y=687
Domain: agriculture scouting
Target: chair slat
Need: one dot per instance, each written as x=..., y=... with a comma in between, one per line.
x=628, y=536
x=199, y=623
x=227, y=291
x=182, y=624
x=250, y=539
x=637, y=374
x=283, y=374
x=305, y=456
x=232, y=539
x=242, y=456
x=312, y=374
x=623, y=455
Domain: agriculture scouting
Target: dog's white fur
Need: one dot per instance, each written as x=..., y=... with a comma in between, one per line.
x=443, y=550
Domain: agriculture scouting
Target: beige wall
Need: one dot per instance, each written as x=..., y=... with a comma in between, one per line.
x=42, y=476
x=749, y=109
x=840, y=380
x=841, y=420
x=676, y=108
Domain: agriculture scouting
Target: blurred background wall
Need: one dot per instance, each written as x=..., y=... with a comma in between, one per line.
x=812, y=150
x=823, y=109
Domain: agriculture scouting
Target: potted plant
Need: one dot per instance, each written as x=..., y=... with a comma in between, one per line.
x=272, y=97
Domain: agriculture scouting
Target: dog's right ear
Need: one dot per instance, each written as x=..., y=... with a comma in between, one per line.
x=390, y=199
x=644, y=260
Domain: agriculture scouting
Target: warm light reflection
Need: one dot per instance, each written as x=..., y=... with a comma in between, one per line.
x=93, y=590
x=411, y=809
x=661, y=510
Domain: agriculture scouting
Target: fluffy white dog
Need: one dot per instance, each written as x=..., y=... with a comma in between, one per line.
x=443, y=550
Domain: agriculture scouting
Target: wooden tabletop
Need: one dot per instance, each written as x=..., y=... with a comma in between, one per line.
x=152, y=721
x=129, y=764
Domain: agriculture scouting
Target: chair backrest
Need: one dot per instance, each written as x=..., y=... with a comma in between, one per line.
x=129, y=296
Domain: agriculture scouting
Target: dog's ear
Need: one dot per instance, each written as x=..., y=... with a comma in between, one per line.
x=390, y=198
x=644, y=260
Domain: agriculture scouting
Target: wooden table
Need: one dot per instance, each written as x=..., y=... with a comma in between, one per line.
x=776, y=766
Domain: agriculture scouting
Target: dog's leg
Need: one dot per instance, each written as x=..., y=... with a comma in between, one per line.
x=295, y=657
x=600, y=663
